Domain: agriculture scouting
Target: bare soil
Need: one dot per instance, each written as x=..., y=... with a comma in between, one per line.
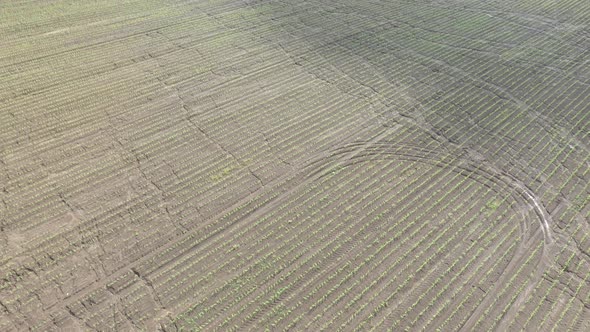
x=294, y=165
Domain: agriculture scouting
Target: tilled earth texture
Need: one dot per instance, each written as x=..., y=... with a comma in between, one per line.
x=290, y=165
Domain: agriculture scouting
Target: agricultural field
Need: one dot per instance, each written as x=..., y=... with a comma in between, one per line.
x=283, y=165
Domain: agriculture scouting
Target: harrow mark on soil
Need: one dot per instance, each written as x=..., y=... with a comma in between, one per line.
x=358, y=153
x=461, y=163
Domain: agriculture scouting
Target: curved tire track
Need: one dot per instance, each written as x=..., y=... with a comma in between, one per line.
x=464, y=164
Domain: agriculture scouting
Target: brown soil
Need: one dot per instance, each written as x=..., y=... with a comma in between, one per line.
x=286, y=165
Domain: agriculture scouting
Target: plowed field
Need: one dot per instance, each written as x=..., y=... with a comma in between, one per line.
x=282, y=165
